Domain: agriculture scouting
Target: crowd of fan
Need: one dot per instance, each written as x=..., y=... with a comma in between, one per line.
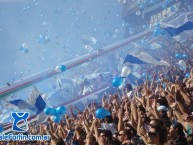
x=157, y=112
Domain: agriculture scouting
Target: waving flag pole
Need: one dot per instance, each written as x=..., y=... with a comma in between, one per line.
x=31, y=80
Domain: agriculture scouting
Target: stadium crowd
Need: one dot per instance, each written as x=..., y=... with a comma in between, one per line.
x=156, y=112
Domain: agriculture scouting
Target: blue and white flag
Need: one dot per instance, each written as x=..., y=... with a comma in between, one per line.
x=37, y=107
x=21, y=104
x=181, y=28
x=143, y=58
x=35, y=103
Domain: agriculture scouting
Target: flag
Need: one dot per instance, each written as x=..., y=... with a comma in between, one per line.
x=21, y=104
x=181, y=28
x=41, y=118
x=143, y=58
x=40, y=104
x=35, y=102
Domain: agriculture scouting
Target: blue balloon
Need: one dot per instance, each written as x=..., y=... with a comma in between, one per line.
x=49, y=111
x=158, y=32
x=149, y=77
x=60, y=110
x=26, y=50
x=62, y=68
x=1, y=129
x=167, y=1
x=21, y=49
x=142, y=41
x=178, y=56
x=141, y=6
x=192, y=46
x=187, y=75
x=144, y=75
x=56, y=118
x=163, y=85
x=185, y=56
x=102, y=113
x=117, y=81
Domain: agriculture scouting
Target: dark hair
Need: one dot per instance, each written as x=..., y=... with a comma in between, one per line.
x=181, y=139
x=107, y=133
x=132, y=129
x=179, y=127
x=129, y=87
x=114, y=142
x=128, y=133
x=60, y=141
x=190, y=138
x=163, y=102
x=157, y=123
x=108, y=119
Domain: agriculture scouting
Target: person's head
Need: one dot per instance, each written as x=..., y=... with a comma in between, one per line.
x=114, y=142
x=124, y=135
x=190, y=138
x=132, y=130
x=162, y=110
x=176, y=129
x=108, y=119
x=128, y=88
x=156, y=123
x=162, y=102
x=106, y=134
x=60, y=141
x=157, y=136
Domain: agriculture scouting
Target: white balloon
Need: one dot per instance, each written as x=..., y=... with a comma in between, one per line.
x=125, y=71
x=24, y=45
x=57, y=69
x=138, y=13
x=182, y=63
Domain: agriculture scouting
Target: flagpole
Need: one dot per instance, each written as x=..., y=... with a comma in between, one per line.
x=28, y=81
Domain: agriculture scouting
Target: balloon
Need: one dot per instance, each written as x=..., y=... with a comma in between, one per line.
x=117, y=81
x=149, y=77
x=1, y=129
x=187, y=75
x=185, y=56
x=163, y=85
x=60, y=68
x=43, y=39
x=144, y=75
x=125, y=71
x=158, y=32
x=182, y=63
x=49, y=111
x=102, y=113
x=26, y=50
x=141, y=6
x=56, y=118
x=57, y=69
x=24, y=45
x=167, y=1
x=178, y=56
x=60, y=110
x=138, y=13
x=192, y=46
